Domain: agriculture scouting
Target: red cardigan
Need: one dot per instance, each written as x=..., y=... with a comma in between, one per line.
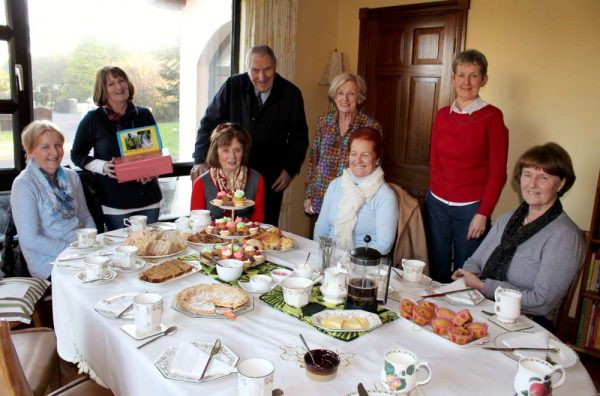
x=258, y=212
x=468, y=157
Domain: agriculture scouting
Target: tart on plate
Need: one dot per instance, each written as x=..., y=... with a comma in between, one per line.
x=205, y=299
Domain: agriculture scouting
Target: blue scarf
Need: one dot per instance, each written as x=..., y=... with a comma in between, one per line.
x=57, y=195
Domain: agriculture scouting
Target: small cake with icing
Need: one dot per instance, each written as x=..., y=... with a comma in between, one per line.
x=239, y=198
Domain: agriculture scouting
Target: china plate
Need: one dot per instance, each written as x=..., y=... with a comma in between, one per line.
x=119, y=302
x=95, y=246
x=429, y=329
x=219, y=312
x=294, y=245
x=230, y=237
x=566, y=357
x=164, y=256
x=248, y=203
x=248, y=287
x=197, y=266
x=415, y=392
x=519, y=324
x=225, y=355
x=374, y=320
x=475, y=296
x=425, y=280
x=109, y=275
x=139, y=264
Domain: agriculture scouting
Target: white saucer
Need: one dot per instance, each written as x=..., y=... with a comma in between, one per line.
x=425, y=280
x=109, y=275
x=566, y=357
x=248, y=287
x=139, y=264
x=133, y=331
x=520, y=324
x=75, y=245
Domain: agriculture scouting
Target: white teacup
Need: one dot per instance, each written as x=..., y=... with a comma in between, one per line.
x=412, y=270
x=95, y=267
x=399, y=373
x=86, y=237
x=535, y=372
x=199, y=218
x=255, y=377
x=508, y=305
x=125, y=256
x=147, y=311
x=296, y=291
x=136, y=223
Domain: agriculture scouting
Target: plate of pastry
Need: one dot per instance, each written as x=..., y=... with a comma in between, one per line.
x=213, y=301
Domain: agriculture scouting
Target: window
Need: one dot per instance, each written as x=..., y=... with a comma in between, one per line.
x=177, y=54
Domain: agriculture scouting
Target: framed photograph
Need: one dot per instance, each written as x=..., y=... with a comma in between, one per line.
x=139, y=140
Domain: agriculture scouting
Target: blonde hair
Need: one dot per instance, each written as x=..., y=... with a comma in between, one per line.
x=341, y=79
x=33, y=132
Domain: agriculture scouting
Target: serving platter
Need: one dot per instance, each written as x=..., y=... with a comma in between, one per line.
x=220, y=312
x=225, y=355
x=429, y=329
x=373, y=319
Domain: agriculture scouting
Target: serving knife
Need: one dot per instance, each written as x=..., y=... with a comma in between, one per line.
x=361, y=390
x=502, y=349
x=215, y=349
x=446, y=293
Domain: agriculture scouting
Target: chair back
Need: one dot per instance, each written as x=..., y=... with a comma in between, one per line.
x=12, y=378
x=13, y=261
x=410, y=236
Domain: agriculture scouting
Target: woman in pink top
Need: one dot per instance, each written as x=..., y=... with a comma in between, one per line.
x=469, y=147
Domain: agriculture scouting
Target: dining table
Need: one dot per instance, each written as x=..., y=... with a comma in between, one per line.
x=99, y=346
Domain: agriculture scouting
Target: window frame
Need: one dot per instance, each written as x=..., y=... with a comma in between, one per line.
x=20, y=106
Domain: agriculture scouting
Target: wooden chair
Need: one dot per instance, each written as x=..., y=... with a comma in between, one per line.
x=28, y=362
x=410, y=236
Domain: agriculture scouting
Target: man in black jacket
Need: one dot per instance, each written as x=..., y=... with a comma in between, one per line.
x=277, y=124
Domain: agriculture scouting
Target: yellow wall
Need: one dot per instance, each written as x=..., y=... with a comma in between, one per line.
x=544, y=75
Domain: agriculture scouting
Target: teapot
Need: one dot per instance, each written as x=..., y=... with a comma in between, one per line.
x=334, y=287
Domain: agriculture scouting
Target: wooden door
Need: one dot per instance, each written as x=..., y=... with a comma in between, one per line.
x=405, y=55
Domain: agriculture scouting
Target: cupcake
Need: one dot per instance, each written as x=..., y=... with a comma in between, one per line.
x=226, y=253
x=250, y=250
x=459, y=335
x=239, y=255
x=259, y=257
x=231, y=227
x=220, y=199
x=444, y=313
x=422, y=315
x=239, y=198
x=241, y=228
x=217, y=249
x=406, y=308
x=462, y=317
x=253, y=228
x=220, y=223
x=224, y=233
x=236, y=248
x=477, y=329
x=441, y=325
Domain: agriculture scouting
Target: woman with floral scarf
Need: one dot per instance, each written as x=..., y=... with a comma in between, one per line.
x=47, y=200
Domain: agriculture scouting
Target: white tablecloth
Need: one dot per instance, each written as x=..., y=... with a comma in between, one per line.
x=96, y=342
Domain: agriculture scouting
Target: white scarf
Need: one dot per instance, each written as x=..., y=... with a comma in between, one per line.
x=354, y=197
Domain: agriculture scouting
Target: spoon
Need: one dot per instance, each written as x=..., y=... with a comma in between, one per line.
x=168, y=331
x=309, y=352
x=306, y=261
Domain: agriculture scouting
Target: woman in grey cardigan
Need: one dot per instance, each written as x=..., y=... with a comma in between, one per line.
x=46, y=200
x=536, y=249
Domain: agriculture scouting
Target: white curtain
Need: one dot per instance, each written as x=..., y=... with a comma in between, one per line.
x=272, y=22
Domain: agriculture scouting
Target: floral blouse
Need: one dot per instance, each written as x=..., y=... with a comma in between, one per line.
x=329, y=153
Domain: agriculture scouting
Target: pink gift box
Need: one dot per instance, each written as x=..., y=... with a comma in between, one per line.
x=151, y=164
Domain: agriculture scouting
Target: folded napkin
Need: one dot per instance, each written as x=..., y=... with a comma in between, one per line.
x=471, y=297
x=190, y=360
x=116, y=307
x=538, y=339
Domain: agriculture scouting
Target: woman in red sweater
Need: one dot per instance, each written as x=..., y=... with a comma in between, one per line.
x=227, y=158
x=469, y=148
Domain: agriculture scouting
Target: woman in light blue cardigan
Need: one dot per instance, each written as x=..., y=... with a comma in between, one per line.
x=360, y=202
x=47, y=200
